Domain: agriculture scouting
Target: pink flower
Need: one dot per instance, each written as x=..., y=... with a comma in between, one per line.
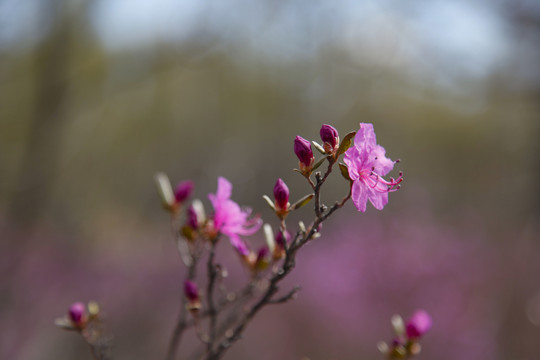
x=229, y=218
x=367, y=165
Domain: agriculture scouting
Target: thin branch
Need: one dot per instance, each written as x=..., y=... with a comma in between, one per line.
x=211, y=269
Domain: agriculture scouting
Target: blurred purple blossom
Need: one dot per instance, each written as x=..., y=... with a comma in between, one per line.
x=229, y=218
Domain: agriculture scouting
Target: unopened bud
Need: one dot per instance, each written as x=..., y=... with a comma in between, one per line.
x=281, y=195
x=165, y=191
x=191, y=291
x=302, y=149
x=282, y=238
x=192, y=220
x=263, y=258
x=330, y=138
x=77, y=314
x=418, y=324
x=183, y=190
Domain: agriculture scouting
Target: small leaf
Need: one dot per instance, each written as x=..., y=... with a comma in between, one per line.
x=318, y=163
x=269, y=202
x=344, y=171
x=346, y=143
x=318, y=147
x=303, y=201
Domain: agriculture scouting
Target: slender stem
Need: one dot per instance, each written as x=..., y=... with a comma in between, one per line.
x=182, y=322
x=212, y=312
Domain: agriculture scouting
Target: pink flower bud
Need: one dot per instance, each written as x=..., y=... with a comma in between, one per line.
x=302, y=149
x=183, y=190
x=77, y=314
x=191, y=291
x=330, y=138
x=192, y=220
x=281, y=240
x=281, y=194
x=263, y=254
x=418, y=324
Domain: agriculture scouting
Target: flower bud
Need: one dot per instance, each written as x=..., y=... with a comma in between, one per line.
x=330, y=138
x=192, y=220
x=282, y=239
x=263, y=258
x=183, y=190
x=165, y=191
x=77, y=314
x=418, y=324
x=281, y=242
x=191, y=291
x=281, y=195
x=302, y=149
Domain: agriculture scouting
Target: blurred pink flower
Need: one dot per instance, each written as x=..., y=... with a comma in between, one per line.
x=229, y=218
x=367, y=165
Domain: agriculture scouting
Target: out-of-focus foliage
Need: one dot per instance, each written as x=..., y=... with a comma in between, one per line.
x=95, y=97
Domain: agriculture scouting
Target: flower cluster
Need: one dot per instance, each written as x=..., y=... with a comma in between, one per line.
x=407, y=336
x=197, y=235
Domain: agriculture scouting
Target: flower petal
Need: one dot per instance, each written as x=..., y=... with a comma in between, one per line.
x=360, y=195
x=377, y=198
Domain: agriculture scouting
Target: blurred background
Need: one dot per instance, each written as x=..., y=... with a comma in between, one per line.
x=97, y=96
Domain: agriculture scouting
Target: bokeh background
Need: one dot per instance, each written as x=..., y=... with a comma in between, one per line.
x=97, y=96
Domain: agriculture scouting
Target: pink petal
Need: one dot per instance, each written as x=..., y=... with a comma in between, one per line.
x=359, y=195
x=382, y=164
x=224, y=189
x=377, y=198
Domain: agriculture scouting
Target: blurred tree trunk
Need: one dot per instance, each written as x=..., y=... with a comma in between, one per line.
x=41, y=154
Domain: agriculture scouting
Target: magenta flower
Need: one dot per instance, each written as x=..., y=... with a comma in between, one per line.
x=367, y=165
x=418, y=324
x=229, y=218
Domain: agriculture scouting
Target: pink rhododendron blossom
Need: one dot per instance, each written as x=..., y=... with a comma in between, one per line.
x=367, y=165
x=229, y=218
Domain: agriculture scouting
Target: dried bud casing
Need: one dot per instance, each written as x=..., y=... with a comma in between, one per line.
x=302, y=149
x=330, y=138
